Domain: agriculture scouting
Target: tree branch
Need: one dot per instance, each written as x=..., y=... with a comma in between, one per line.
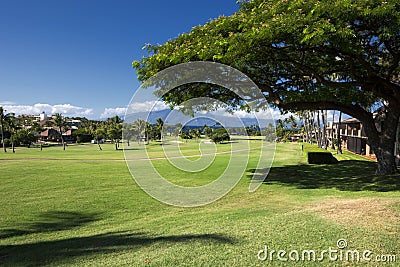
x=353, y=110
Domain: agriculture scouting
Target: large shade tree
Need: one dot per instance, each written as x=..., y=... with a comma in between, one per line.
x=304, y=55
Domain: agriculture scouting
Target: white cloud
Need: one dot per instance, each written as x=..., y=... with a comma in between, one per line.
x=134, y=107
x=147, y=106
x=110, y=112
x=7, y=103
x=65, y=109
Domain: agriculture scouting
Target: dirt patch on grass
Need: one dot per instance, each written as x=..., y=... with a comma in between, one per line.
x=364, y=212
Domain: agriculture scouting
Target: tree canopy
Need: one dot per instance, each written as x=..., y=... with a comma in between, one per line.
x=303, y=54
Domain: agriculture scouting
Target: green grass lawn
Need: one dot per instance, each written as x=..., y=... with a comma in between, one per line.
x=82, y=207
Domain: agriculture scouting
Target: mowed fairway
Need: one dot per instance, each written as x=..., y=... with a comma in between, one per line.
x=82, y=207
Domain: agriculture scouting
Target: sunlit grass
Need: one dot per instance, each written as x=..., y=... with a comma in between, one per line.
x=81, y=207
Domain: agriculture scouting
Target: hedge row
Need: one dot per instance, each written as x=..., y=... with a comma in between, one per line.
x=317, y=155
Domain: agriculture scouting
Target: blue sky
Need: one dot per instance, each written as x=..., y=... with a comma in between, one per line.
x=75, y=56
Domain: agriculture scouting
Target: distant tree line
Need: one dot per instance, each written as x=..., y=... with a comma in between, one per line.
x=25, y=130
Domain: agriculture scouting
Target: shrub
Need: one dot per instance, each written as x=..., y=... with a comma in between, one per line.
x=316, y=155
x=321, y=158
x=220, y=135
x=82, y=135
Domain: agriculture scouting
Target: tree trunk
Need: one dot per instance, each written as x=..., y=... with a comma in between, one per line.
x=324, y=135
x=397, y=145
x=386, y=159
x=326, y=129
x=12, y=146
x=62, y=138
x=380, y=139
x=319, y=141
x=2, y=137
x=312, y=127
x=383, y=142
x=332, y=134
x=306, y=126
x=98, y=143
x=339, y=139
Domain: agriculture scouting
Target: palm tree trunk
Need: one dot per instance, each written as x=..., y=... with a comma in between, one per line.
x=339, y=148
x=332, y=135
x=98, y=143
x=2, y=136
x=308, y=130
x=324, y=135
x=397, y=144
x=319, y=129
x=312, y=126
x=62, y=141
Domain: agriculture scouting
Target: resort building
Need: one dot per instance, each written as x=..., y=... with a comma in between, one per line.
x=354, y=138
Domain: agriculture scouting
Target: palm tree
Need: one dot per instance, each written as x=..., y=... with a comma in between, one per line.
x=13, y=126
x=4, y=119
x=159, y=127
x=319, y=134
x=339, y=139
x=280, y=129
x=128, y=132
x=114, y=132
x=2, y=122
x=305, y=128
x=312, y=127
x=195, y=133
x=99, y=134
x=36, y=129
x=324, y=137
x=61, y=124
x=332, y=133
x=178, y=129
x=148, y=132
x=140, y=127
x=207, y=130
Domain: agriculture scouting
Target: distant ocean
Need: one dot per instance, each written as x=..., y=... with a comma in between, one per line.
x=196, y=122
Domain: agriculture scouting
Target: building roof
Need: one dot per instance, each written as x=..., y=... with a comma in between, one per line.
x=351, y=120
x=45, y=133
x=69, y=132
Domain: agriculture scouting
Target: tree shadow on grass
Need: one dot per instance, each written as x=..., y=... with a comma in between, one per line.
x=349, y=175
x=50, y=222
x=51, y=252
